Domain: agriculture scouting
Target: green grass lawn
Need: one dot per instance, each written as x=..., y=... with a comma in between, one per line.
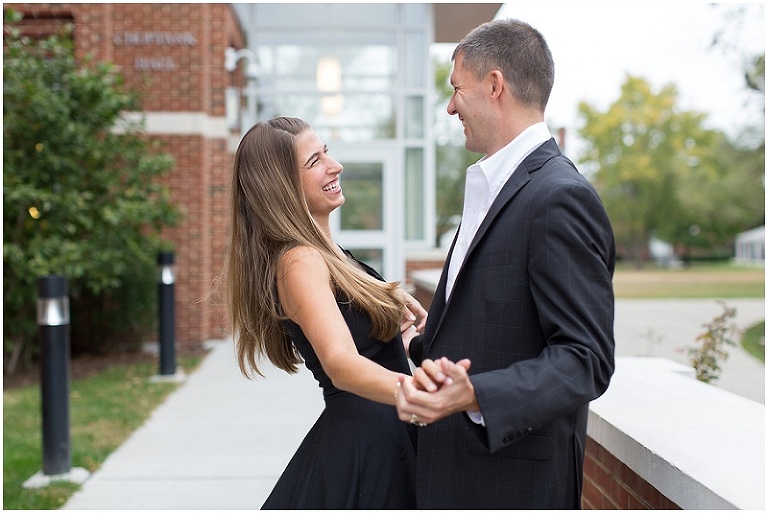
x=698, y=281
x=104, y=410
x=753, y=341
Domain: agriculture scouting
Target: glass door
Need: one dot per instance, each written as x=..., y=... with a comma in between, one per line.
x=367, y=224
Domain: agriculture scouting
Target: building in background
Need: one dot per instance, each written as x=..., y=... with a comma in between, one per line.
x=359, y=73
x=750, y=247
x=173, y=56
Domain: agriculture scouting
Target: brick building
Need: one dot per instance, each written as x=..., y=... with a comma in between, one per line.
x=173, y=55
x=206, y=72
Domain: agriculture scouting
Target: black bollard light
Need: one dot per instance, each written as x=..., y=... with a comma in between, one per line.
x=53, y=320
x=167, y=316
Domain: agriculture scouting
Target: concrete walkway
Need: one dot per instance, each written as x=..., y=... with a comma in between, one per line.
x=220, y=441
x=666, y=327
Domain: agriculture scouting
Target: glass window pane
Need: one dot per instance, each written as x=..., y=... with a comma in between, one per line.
x=416, y=14
x=363, y=192
x=320, y=14
x=414, y=194
x=295, y=67
x=370, y=256
x=348, y=117
x=344, y=92
x=414, y=117
x=415, y=59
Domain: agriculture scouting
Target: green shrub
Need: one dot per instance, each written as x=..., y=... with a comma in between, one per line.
x=706, y=357
x=80, y=193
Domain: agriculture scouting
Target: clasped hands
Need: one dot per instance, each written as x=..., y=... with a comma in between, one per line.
x=438, y=388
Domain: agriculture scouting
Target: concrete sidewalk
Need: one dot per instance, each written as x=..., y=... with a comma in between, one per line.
x=220, y=441
x=666, y=327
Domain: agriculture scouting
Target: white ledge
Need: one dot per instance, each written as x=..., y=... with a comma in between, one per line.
x=426, y=279
x=700, y=446
x=182, y=123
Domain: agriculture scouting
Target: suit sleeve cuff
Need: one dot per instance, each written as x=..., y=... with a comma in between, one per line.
x=416, y=349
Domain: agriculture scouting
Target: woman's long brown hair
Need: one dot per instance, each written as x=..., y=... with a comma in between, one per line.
x=269, y=217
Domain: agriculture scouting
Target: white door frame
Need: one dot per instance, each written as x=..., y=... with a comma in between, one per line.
x=389, y=238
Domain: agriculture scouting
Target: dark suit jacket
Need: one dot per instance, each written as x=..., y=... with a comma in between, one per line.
x=532, y=308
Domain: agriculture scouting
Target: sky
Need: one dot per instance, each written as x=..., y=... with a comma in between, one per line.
x=595, y=46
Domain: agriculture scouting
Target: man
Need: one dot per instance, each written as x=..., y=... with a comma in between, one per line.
x=524, y=304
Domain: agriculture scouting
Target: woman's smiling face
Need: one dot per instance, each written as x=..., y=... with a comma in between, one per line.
x=319, y=174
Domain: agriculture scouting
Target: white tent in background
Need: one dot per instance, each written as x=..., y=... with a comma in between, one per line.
x=750, y=246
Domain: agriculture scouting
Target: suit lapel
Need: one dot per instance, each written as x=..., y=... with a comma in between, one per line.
x=437, y=310
x=517, y=181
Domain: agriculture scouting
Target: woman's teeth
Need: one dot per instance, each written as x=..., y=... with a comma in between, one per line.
x=332, y=187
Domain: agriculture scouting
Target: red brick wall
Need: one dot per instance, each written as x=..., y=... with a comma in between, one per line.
x=610, y=484
x=422, y=296
x=218, y=225
x=191, y=75
x=173, y=55
x=420, y=265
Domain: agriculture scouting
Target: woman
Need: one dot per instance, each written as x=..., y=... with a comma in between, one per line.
x=294, y=295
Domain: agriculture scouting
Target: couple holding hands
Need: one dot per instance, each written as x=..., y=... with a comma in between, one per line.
x=519, y=336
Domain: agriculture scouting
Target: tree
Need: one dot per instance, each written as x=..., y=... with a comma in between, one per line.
x=80, y=195
x=452, y=159
x=747, y=152
x=662, y=174
x=720, y=197
x=754, y=75
x=729, y=38
x=658, y=169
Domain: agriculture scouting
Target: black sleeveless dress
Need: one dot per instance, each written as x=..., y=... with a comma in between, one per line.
x=358, y=454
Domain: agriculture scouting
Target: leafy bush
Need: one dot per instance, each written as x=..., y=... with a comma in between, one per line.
x=706, y=357
x=80, y=194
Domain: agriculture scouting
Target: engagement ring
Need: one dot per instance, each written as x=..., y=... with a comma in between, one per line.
x=415, y=421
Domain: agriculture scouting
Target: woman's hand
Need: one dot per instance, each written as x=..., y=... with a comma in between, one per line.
x=414, y=315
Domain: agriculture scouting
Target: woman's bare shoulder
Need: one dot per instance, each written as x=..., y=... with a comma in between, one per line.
x=302, y=257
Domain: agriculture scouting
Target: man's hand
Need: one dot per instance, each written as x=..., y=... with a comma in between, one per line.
x=437, y=389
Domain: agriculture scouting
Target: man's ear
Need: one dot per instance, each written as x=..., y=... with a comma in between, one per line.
x=497, y=83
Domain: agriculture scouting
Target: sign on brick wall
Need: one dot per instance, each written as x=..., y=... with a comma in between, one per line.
x=154, y=39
